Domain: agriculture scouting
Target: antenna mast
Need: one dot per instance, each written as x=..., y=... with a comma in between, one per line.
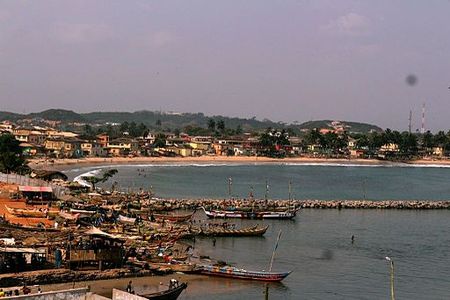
x=422, y=130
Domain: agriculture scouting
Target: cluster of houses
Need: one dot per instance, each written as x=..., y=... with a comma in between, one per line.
x=38, y=141
x=45, y=141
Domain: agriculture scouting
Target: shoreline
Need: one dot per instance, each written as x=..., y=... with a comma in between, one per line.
x=61, y=164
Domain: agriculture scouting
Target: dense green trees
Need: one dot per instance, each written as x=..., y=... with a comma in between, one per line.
x=409, y=144
x=133, y=129
x=272, y=142
x=11, y=156
x=221, y=126
x=211, y=125
x=160, y=141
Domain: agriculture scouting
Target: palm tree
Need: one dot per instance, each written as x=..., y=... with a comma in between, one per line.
x=221, y=126
x=211, y=125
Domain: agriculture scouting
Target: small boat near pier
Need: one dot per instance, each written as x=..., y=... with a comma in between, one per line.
x=237, y=273
x=226, y=232
x=225, y=214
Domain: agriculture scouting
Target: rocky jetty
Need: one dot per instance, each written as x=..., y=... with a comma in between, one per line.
x=365, y=204
x=245, y=204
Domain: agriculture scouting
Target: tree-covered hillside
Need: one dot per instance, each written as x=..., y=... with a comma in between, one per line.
x=175, y=120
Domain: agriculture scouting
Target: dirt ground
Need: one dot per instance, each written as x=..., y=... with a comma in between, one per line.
x=5, y=190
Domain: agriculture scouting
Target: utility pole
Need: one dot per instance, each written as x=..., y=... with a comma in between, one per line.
x=410, y=120
x=391, y=263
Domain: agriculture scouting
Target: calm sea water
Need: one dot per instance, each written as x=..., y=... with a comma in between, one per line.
x=308, y=181
x=317, y=244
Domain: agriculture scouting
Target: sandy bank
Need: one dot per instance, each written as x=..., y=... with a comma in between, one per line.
x=63, y=163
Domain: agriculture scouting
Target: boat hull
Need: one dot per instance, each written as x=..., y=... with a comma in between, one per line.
x=231, y=272
x=222, y=214
x=26, y=213
x=251, y=231
x=184, y=268
x=171, y=294
x=173, y=218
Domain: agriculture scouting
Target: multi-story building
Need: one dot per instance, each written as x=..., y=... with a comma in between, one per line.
x=122, y=146
x=93, y=149
x=64, y=147
x=103, y=140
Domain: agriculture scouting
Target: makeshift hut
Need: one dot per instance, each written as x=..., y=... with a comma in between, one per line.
x=96, y=249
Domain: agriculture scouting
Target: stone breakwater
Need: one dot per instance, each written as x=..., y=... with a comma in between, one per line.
x=243, y=204
x=364, y=204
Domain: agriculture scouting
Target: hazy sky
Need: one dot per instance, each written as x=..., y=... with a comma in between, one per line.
x=282, y=60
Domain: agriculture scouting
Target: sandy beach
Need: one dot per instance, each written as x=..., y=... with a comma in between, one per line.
x=63, y=163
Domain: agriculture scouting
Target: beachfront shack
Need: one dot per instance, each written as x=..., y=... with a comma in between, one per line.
x=36, y=194
x=14, y=259
x=96, y=249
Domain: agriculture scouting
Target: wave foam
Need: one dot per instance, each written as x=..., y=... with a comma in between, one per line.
x=386, y=165
x=83, y=182
x=206, y=165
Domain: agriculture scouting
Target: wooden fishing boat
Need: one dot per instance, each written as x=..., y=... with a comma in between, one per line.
x=68, y=216
x=27, y=212
x=233, y=272
x=173, y=218
x=175, y=267
x=7, y=225
x=83, y=213
x=225, y=214
x=249, y=231
x=126, y=220
x=171, y=293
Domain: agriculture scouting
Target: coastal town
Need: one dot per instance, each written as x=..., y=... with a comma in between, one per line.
x=39, y=140
x=186, y=150
x=54, y=230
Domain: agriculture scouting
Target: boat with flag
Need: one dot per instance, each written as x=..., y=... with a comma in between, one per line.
x=288, y=213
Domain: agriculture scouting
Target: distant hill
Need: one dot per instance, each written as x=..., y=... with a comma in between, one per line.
x=58, y=115
x=174, y=120
x=9, y=116
x=353, y=127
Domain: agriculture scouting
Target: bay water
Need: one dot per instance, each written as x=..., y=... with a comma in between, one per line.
x=317, y=244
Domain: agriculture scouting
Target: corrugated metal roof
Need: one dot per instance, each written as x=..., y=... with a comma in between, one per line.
x=27, y=188
x=22, y=250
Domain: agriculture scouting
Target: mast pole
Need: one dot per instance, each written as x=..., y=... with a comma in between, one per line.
x=266, y=195
x=290, y=195
x=290, y=190
x=274, y=250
